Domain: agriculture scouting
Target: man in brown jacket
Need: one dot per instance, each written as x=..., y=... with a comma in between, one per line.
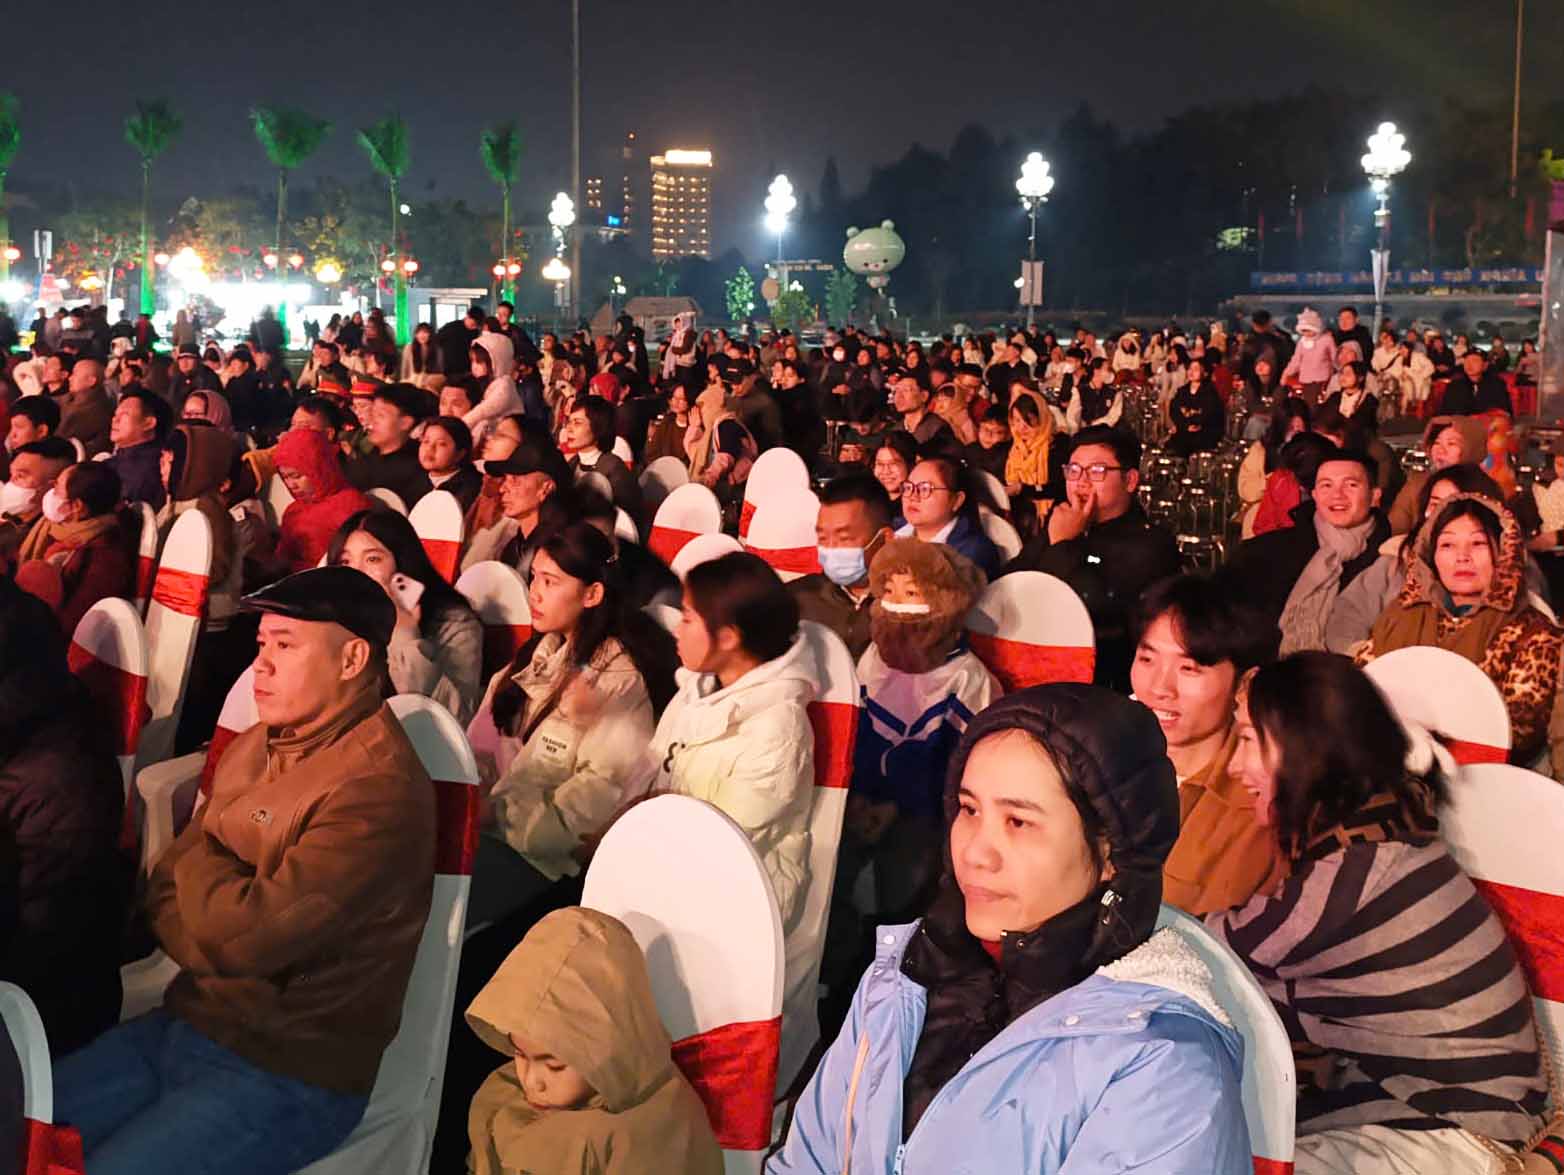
x=293, y=903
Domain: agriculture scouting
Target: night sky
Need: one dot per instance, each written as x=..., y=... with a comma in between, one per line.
x=862, y=82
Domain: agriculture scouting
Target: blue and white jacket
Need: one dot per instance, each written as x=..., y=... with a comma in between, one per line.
x=1136, y=1068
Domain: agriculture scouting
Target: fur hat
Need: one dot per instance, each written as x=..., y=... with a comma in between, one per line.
x=950, y=584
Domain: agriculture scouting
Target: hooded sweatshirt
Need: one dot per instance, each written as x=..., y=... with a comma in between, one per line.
x=500, y=397
x=308, y=523
x=577, y=987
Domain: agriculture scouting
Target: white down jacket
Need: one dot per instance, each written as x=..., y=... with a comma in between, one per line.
x=748, y=749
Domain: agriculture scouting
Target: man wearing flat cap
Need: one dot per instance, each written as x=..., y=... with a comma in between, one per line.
x=293, y=903
x=190, y=375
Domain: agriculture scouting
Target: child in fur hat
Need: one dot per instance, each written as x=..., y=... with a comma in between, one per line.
x=921, y=686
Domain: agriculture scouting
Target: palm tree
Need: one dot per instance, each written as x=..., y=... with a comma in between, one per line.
x=150, y=131
x=500, y=148
x=10, y=141
x=288, y=137
x=386, y=143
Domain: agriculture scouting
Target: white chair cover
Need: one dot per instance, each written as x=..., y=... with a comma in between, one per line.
x=1448, y=696
x=1030, y=628
x=703, y=549
x=498, y=595
x=437, y=520
x=390, y=498
x=108, y=653
x=661, y=478
x=777, y=472
x=174, y=618
x=689, y=886
x=999, y=531
x=146, y=557
x=782, y=532
x=688, y=511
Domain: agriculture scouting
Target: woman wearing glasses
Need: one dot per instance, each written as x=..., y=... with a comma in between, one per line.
x=940, y=508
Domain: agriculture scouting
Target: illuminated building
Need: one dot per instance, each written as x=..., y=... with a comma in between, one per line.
x=627, y=179
x=594, y=193
x=681, y=204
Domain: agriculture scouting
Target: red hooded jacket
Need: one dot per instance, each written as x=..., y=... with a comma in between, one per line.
x=308, y=524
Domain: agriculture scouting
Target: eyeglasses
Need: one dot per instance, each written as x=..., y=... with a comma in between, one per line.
x=1074, y=472
x=917, y=491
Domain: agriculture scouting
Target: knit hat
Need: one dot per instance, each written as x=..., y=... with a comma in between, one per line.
x=1310, y=322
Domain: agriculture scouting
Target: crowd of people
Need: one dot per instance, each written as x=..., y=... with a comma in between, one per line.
x=994, y=992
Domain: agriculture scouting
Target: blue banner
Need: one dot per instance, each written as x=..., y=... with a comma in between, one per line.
x=1405, y=278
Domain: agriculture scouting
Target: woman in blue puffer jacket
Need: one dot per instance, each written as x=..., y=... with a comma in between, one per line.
x=1032, y=1022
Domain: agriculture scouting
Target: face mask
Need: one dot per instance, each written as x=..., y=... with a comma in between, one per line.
x=15, y=499
x=844, y=566
x=54, y=506
x=905, y=609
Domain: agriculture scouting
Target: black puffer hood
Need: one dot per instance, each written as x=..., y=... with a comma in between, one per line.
x=1112, y=750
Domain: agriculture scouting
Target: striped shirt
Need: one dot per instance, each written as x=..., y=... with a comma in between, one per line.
x=1398, y=987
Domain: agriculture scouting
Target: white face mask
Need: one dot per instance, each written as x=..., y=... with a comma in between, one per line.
x=15, y=499
x=54, y=506
x=905, y=609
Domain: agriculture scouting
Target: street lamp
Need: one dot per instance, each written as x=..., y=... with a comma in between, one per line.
x=328, y=273
x=561, y=215
x=558, y=272
x=780, y=203
x=1033, y=186
x=1387, y=158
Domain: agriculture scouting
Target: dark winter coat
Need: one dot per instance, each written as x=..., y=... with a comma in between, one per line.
x=1269, y=564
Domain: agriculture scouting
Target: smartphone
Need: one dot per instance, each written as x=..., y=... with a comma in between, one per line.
x=406, y=590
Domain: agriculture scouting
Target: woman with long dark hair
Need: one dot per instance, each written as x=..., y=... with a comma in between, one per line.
x=421, y=364
x=437, y=648
x=564, y=725
x=1408, y=1011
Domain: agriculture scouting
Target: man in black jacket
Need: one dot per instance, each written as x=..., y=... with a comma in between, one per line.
x=392, y=461
x=1476, y=389
x=1296, y=574
x=455, y=338
x=1349, y=329
x=1099, y=541
x=136, y=430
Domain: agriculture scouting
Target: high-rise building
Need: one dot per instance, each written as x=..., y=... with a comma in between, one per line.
x=681, y=204
x=594, y=193
x=627, y=178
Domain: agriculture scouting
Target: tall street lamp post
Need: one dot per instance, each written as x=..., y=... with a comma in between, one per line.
x=562, y=215
x=780, y=203
x=1387, y=158
x=1033, y=186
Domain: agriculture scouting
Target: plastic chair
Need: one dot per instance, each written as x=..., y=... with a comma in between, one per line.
x=782, y=533
x=597, y=483
x=81, y=449
x=1269, y=1078
x=659, y=479
x=146, y=557
x=621, y=449
x=666, y=615
x=702, y=549
x=834, y=716
x=46, y=1149
x=687, y=883
x=397, y=1131
x=1448, y=696
x=624, y=527
x=173, y=623
x=688, y=511
x=1502, y=827
x=498, y=595
x=389, y=498
x=1030, y=628
x=108, y=653
x=437, y=521
x=776, y=473
x=275, y=501
x=999, y=531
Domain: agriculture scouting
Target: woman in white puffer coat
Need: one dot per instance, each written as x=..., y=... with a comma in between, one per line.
x=737, y=733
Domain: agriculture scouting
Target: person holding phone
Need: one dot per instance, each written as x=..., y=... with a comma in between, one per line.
x=437, y=647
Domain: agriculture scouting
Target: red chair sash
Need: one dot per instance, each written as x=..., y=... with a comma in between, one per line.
x=48, y=1149
x=666, y=542
x=121, y=693
x=802, y=560
x=1272, y=1166
x=1535, y=924
x=836, y=731
x=180, y=591
x=734, y=1070
x=456, y=835
x=1018, y=665
x=746, y=513
x=445, y=554
x=1466, y=753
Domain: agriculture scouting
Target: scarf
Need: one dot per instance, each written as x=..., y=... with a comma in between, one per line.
x=1027, y=464
x=1309, y=605
x=1422, y=613
x=45, y=536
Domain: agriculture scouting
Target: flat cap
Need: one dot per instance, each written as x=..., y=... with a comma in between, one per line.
x=532, y=456
x=334, y=595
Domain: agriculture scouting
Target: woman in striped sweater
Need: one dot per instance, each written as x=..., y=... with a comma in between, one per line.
x=1410, y=1020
